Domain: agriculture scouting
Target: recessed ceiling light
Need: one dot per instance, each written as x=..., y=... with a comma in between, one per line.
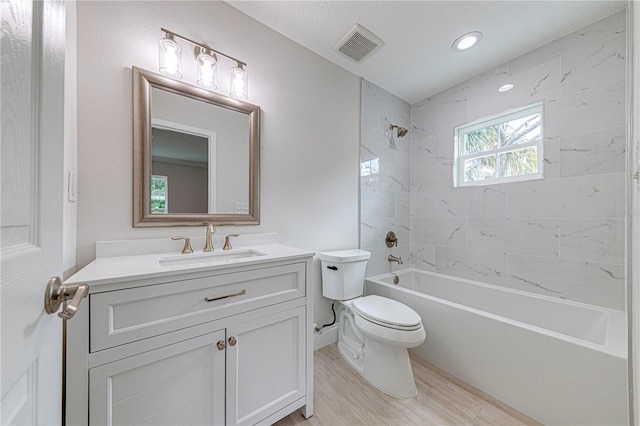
x=465, y=41
x=505, y=88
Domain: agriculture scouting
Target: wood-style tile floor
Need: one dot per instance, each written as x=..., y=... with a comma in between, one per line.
x=342, y=397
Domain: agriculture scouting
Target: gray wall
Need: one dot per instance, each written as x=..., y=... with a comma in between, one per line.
x=187, y=186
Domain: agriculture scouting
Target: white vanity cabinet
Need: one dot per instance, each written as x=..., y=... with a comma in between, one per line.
x=230, y=345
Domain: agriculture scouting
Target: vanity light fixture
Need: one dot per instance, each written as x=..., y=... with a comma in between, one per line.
x=207, y=62
x=466, y=41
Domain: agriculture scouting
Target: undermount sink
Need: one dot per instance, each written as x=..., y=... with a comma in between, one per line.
x=207, y=258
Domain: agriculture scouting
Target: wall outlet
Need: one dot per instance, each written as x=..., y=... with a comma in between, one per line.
x=242, y=208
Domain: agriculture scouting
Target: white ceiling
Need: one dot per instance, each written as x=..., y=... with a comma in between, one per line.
x=417, y=60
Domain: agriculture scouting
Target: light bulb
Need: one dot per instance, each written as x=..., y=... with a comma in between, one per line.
x=207, y=70
x=170, y=57
x=239, y=82
x=466, y=41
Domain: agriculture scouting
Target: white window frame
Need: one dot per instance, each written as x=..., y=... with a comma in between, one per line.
x=513, y=114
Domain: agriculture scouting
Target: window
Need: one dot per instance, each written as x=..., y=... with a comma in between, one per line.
x=370, y=167
x=159, y=195
x=498, y=149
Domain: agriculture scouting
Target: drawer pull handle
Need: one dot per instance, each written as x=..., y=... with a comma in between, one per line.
x=240, y=293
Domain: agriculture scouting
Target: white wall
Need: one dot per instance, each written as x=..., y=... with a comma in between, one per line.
x=310, y=125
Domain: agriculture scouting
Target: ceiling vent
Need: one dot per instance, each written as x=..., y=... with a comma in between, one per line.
x=358, y=43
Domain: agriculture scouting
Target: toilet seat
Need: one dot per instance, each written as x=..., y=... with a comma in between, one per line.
x=387, y=313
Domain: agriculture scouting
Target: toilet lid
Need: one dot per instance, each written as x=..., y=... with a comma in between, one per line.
x=387, y=312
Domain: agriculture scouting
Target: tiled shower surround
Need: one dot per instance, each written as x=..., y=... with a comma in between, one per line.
x=385, y=193
x=561, y=236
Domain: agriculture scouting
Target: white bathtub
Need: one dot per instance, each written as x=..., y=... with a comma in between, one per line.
x=556, y=361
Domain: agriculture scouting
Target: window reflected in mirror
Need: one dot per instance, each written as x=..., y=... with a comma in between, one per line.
x=159, y=194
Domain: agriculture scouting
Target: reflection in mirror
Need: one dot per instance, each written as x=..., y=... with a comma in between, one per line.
x=183, y=159
x=192, y=130
x=195, y=156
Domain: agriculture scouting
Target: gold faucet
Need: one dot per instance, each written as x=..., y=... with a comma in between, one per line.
x=392, y=258
x=207, y=242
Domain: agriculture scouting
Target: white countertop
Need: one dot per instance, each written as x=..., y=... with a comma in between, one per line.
x=123, y=268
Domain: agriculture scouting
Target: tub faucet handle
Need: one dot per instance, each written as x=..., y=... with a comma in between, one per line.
x=391, y=240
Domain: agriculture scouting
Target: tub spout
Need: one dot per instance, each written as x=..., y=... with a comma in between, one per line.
x=392, y=258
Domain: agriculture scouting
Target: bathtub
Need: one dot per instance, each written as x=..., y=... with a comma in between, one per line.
x=556, y=361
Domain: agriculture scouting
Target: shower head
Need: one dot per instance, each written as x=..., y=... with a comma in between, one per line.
x=401, y=130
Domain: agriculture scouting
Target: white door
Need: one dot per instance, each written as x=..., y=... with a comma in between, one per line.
x=32, y=85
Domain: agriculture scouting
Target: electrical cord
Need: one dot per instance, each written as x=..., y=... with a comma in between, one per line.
x=334, y=315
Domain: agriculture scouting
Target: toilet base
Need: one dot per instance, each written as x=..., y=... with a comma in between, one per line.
x=386, y=367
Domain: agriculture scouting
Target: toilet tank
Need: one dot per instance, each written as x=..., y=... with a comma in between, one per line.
x=343, y=273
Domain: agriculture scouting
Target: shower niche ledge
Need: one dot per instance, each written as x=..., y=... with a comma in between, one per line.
x=219, y=343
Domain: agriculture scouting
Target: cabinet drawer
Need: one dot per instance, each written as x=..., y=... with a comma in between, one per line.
x=124, y=316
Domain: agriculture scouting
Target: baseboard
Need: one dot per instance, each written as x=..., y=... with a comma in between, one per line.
x=326, y=336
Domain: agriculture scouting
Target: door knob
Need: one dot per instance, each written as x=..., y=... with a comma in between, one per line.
x=57, y=293
x=232, y=341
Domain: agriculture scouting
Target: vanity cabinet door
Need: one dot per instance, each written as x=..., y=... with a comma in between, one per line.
x=265, y=366
x=183, y=383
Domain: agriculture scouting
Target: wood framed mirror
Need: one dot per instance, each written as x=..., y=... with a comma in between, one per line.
x=196, y=155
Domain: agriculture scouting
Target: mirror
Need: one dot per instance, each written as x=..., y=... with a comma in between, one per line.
x=196, y=155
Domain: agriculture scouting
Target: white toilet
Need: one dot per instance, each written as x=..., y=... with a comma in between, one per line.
x=375, y=331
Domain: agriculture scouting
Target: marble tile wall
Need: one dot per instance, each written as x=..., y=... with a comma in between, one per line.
x=384, y=195
x=562, y=236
